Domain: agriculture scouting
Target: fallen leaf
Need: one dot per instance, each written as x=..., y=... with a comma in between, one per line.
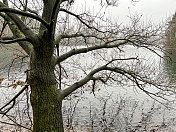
x=1, y=80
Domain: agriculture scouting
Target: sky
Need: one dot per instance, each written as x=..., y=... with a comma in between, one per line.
x=156, y=11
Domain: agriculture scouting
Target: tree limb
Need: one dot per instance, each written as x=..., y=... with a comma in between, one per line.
x=27, y=46
x=54, y=17
x=134, y=77
x=63, y=36
x=13, y=41
x=89, y=77
x=88, y=49
x=10, y=10
x=77, y=85
x=22, y=27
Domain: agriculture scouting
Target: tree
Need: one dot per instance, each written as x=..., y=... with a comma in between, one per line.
x=170, y=32
x=49, y=62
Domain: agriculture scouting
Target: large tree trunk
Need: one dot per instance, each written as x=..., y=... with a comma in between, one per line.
x=47, y=114
x=46, y=100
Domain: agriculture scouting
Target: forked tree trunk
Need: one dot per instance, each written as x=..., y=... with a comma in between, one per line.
x=46, y=100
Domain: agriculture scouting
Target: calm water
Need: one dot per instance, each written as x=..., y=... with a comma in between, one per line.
x=113, y=108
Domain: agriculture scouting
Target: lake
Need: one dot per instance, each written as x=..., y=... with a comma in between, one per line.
x=116, y=107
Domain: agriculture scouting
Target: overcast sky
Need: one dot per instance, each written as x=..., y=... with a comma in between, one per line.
x=156, y=11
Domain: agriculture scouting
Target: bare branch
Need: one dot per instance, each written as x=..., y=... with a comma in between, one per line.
x=3, y=27
x=63, y=36
x=27, y=46
x=22, y=27
x=13, y=100
x=85, y=50
x=89, y=77
x=54, y=15
x=15, y=124
x=13, y=41
x=80, y=19
x=77, y=85
x=10, y=10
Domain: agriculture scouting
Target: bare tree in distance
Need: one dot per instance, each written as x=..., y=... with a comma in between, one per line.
x=61, y=50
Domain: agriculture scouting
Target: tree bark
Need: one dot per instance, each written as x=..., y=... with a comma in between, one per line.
x=46, y=99
x=47, y=114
